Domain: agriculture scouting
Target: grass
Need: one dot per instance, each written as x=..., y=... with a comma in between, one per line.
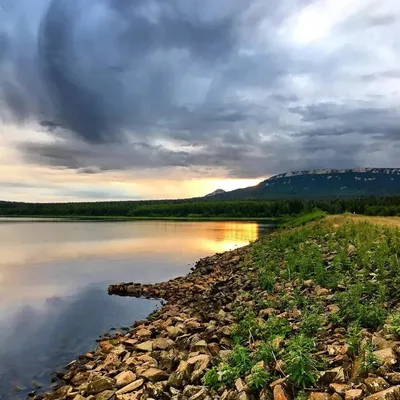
x=304, y=219
x=354, y=261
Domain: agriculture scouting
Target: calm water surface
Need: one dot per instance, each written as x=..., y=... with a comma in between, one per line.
x=54, y=278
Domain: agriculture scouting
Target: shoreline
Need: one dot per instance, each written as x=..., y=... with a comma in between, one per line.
x=232, y=330
x=52, y=218
x=170, y=350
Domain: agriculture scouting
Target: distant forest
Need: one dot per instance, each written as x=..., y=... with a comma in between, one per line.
x=386, y=206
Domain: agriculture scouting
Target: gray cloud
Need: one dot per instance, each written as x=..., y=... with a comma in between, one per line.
x=110, y=80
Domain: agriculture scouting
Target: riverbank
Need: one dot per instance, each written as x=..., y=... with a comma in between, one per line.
x=308, y=312
x=74, y=218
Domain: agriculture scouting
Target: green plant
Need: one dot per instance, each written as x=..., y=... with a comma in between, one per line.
x=312, y=322
x=299, y=362
x=259, y=377
x=240, y=359
x=370, y=361
x=267, y=280
x=265, y=352
x=227, y=374
x=211, y=378
x=277, y=327
x=354, y=338
x=394, y=322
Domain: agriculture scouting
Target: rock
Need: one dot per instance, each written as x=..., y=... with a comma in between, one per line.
x=335, y=396
x=393, y=377
x=244, y=396
x=131, y=387
x=155, y=375
x=145, y=346
x=174, y=332
x=200, y=363
x=180, y=377
x=335, y=375
x=120, y=350
x=358, y=371
x=340, y=388
x=375, y=385
x=351, y=249
x=380, y=343
x=240, y=385
x=353, y=394
x=386, y=356
x=79, y=378
x=100, y=385
x=106, y=395
x=265, y=394
x=200, y=395
x=79, y=397
x=214, y=349
x=143, y=333
x=280, y=393
x=201, y=346
x=191, y=390
x=106, y=346
x=163, y=344
x=319, y=396
x=124, y=378
x=392, y=393
x=321, y=291
x=333, y=308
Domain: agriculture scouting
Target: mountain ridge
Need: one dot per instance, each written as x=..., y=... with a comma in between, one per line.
x=322, y=183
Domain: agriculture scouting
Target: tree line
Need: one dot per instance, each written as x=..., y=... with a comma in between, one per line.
x=382, y=206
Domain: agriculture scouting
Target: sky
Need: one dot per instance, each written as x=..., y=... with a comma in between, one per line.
x=140, y=99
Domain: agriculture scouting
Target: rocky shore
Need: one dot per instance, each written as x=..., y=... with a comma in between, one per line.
x=166, y=356
x=169, y=355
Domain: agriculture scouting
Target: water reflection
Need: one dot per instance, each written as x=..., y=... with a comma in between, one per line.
x=54, y=275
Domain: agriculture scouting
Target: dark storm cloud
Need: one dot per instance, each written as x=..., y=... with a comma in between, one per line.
x=226, y=84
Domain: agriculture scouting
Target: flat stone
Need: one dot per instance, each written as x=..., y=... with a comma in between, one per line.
x=145, y=346
x=106, y=346
x=124, y=378
x=131, y=387
x=354, y=394
x=375, y=385
x=143, y=333
x=163, y=344
x=386, y=356
x=335, y=375
x=240, y=385
x=393, y=377
x=280, y=393
x=340, y=388
x=174, y=332
x=319, y=396
x=155, y=375
x=100, y=385
x=392, y=393
x=201, y=346
x=182, y=374
x=106, y=395
x=214, y=349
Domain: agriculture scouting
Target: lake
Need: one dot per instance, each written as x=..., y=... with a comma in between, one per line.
x=54, y=277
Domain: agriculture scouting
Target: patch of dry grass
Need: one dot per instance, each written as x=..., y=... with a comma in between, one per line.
x=338, y=220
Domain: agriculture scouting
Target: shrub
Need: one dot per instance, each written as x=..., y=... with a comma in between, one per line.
x=299, y=362
x=259, y=377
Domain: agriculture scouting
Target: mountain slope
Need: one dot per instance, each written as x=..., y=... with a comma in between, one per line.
x=327, y=183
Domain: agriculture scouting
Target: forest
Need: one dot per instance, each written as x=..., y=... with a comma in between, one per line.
x=201, y=208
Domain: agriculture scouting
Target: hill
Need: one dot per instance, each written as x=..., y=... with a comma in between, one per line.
x=322, y=184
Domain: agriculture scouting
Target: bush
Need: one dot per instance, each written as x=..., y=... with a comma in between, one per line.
x=299, y=362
